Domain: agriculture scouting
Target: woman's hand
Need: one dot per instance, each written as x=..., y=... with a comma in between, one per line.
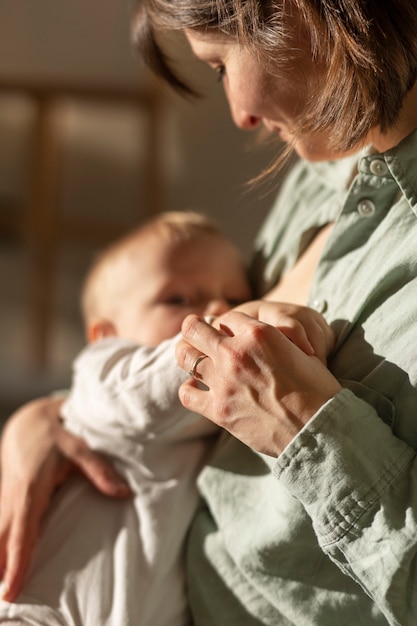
x=303, y=325
x=37, y=455
x=261, y=387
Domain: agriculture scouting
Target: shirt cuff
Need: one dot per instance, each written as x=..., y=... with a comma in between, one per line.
x=340, y=464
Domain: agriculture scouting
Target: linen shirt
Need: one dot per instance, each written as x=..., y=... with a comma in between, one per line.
x=327, y=533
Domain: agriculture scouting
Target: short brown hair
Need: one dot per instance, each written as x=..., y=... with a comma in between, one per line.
x=368, y=49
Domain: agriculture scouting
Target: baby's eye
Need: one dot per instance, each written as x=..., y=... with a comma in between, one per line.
x=178, y=300
x=234, y=302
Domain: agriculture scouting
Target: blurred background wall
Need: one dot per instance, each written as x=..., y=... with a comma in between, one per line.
x=90, y=145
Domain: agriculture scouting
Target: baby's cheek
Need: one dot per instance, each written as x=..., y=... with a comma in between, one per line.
x=172, y=325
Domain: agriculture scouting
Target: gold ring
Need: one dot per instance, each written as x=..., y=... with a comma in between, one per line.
x=193, y=371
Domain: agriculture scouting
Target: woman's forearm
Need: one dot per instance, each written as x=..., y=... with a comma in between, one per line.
x=37, y=455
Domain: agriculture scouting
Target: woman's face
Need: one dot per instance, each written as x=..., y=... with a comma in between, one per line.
x=257, y=98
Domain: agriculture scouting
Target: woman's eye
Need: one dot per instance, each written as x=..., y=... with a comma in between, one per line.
x=221, y=72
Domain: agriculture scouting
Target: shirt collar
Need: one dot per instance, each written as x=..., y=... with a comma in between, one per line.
x=337, y=174
x=402, y=162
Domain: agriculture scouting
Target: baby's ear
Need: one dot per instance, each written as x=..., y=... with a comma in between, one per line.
x=100, y=329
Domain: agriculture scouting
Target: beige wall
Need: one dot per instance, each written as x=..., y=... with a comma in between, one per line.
x=205, y=160
x=87, y=41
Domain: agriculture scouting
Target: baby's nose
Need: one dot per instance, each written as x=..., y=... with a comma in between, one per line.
x=217, y=307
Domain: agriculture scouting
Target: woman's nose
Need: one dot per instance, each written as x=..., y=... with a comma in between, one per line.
x=240, y=116
x=217, y=307
x=244, y=120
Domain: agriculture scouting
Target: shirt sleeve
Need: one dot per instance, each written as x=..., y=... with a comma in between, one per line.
x=358, y=483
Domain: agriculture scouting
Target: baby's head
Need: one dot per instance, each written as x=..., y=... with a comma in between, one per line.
x=143, y=286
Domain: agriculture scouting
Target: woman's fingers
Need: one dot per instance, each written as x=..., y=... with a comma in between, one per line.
x=18, y=543
x=37, y=455
x=296, y=333
x=195, y=399
x=200, y=335
x=24, y=501
x=302, y=325
x=259, y=385
x=201, y=338
x=98, y=470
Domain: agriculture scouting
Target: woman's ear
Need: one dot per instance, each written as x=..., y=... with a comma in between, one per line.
x=100, y=329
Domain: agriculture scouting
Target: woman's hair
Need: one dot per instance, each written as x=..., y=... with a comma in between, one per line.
x=365, y=49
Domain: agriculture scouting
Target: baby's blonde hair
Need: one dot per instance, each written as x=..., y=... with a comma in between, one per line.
x=174, y=227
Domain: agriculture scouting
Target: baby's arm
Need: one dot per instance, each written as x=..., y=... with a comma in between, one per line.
x=302, y=325
x=129, y=393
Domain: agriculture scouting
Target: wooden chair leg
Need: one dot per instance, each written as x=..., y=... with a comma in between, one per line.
x=42, y=220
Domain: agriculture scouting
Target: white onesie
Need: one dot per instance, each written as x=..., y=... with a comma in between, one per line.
x=102, y=562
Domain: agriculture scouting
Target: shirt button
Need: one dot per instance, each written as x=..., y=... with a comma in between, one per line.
x=378, y=167
x=366, y=208
x=319, y=305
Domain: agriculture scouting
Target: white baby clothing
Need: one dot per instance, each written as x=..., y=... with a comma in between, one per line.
x=105, y=562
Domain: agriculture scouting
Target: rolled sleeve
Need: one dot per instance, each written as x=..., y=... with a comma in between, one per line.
x=341, y=464
x=358, y=483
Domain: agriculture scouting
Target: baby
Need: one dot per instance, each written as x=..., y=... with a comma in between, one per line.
x=102, y=562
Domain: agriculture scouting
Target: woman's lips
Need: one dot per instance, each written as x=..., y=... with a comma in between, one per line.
x=281, y=131
x=284, y=135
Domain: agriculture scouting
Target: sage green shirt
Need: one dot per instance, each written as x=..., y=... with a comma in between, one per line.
x=327, y=534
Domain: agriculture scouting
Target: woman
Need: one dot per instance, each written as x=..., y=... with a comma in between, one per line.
x=311, y=507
